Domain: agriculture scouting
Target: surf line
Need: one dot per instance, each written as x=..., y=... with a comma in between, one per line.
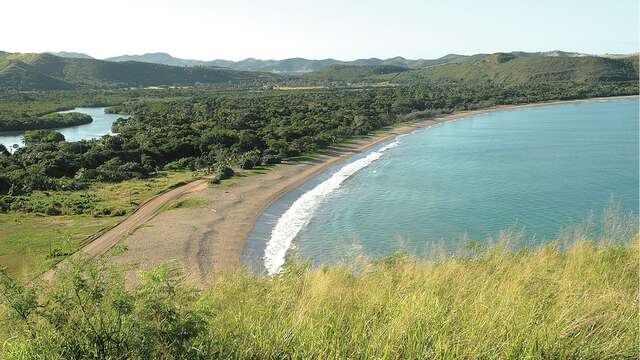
x=301, y=211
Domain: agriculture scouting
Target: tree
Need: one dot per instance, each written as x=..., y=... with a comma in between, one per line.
x=34, y=137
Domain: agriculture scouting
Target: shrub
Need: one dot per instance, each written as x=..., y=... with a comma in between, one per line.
x=4, y=206
x=220, y=173
x=34, y=137
x=247, y=164
x=188, y=163
x=224, y=172
x=116, y=170
x=271, y=159
x=119, y=212
x=52, y=210
x=89, y=314
x=250, y=159
x=105, y=211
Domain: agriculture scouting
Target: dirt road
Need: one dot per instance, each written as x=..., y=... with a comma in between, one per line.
x=144, y=213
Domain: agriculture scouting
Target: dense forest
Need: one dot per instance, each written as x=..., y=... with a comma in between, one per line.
x=48, y=121
x=219, y=130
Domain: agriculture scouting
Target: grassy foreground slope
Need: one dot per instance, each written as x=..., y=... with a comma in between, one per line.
x=49, y=72
x=490, y=302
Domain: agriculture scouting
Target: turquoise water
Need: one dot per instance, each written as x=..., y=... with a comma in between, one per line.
x=101, y=125
x=540, y=169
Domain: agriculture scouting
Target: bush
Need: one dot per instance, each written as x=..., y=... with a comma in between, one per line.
x=224, y=172
x=89, y=314
x=247, y=164
x=188, y=163
x=271, y=159
x=250, y=159
x=105, y=211
x=115, y=170
x=34, y=137
x=58, y=204
x=52, y=210
x=220, y=173
x=119, y=212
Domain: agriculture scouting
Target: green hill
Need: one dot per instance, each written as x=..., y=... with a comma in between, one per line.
x=21, y=76
x=354, y=72
x=511, y=68
x=49, y=72
x=71, y=54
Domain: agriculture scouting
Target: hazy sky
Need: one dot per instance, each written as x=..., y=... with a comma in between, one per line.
x=345, y=29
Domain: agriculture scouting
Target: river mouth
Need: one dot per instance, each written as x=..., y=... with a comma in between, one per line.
x=537, y=169
x=100, y=126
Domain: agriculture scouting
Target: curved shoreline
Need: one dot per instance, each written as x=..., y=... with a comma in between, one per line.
x=211, y=239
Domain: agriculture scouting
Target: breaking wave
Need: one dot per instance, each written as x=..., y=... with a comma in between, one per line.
x=301, y=211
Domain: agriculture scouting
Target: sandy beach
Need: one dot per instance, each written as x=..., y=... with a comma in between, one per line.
x=211, y=238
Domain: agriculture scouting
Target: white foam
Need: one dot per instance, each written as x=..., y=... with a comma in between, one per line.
x=300, y=212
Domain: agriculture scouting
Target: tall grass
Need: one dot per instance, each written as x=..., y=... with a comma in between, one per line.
x=577, y=300
x=578, y=304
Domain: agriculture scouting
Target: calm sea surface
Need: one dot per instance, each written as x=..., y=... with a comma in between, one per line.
x=101, y=125
x=539, y=169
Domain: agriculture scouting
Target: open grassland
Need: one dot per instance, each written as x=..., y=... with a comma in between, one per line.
x=560, y=301
x=32, y=242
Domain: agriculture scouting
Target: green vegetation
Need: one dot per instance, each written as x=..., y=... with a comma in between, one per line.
x=32, y=243
x=40, y=229
x=49, y=72
x=510, y=69
x=31, y=111
x=213, y=129
x=186, y=203
x=49, y=121
x=218, y=130
x=300, y=65
x=579, y=302
x=355, y=73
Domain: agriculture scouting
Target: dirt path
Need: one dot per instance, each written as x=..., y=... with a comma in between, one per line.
x=143, y=214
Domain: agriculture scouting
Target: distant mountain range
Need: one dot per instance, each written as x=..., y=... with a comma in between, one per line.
x=301, y=65
x=72, y=55
x=50, y=72
x=72, y=70
x=510, y=68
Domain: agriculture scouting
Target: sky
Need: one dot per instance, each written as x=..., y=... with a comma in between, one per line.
x=339, y=29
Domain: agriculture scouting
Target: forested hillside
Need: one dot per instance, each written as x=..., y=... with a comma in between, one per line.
x=509, y=68
x=211, y=130
x=49, y=72
x=505, y=68
x=354, y=72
